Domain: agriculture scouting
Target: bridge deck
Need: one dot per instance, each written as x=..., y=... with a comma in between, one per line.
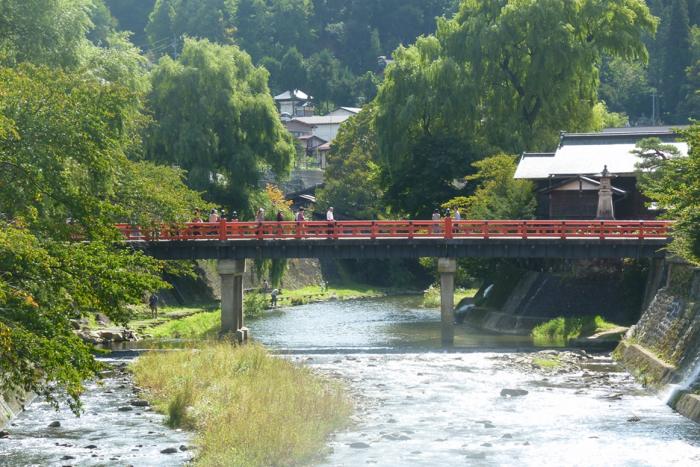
x=403, y=239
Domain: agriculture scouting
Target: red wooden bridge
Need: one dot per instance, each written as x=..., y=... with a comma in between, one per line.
x=402, y=238
x=444, y=229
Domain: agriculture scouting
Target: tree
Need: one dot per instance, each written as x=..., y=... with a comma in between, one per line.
x=352, y=176
x=171, y=20
x=498, y=195
x=538, y=61
x=673, y=182
x=676, y=59
x=44, y=32
x=292, y=70
x=426, y=121
x=65, y=176
x=216, y=119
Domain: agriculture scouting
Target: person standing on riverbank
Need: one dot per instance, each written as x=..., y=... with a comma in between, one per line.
x=153, y=305
x=273, y=298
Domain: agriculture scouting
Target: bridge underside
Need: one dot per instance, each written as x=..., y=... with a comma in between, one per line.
x=583, y=248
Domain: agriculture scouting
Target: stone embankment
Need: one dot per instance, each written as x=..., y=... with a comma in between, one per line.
x=663, y=349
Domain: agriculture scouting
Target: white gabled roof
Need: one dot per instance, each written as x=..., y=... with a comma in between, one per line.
x=588, y=153
x=294, y=95
x=317, y=120
x=346, y=111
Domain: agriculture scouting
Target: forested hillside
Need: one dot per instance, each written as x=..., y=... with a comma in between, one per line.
x=330, y=48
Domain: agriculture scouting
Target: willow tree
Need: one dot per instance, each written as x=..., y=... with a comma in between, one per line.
x=501, y=76
x=536, y=62
x=217, y=120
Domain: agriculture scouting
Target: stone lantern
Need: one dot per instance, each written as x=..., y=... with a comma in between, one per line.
x=606, y=211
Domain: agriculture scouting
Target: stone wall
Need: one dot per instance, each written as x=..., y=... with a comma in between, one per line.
x=667, y=338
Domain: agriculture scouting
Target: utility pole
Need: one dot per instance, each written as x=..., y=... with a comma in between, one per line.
x=653, y=107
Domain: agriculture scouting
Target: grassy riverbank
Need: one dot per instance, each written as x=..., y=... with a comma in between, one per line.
x=247, y=407
x=559, y=331
x=431, y=297
x=205, y=322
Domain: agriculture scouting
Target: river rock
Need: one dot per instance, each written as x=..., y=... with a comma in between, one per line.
x=139, y=403
x=513, y=392
x=55, y=424
x=184, y=448
x=67, y=457
x=126, y=408
x=169, y=451
x=633, y=418
x=4, y=434
x=91, y=446
x=359, y=445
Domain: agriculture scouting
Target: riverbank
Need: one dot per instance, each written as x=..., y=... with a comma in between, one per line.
x=205, y=321
x=247, y=407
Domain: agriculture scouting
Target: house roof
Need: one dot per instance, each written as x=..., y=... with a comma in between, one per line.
x=588, y=153
x=346, y=110
x=325, y=147
x=322, y=120
x=296, y=95
x=579, y=183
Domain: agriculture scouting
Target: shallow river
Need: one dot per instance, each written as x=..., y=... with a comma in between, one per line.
x=417, y=405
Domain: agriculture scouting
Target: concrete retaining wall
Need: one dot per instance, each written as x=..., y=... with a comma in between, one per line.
x=664, y=346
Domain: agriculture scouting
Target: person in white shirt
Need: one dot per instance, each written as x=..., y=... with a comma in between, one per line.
x=214, y=216
x=458, y=216
x=329, y=214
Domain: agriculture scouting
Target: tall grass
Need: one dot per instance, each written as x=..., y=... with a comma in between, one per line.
x=204, y=324
x=431, y=296
x=559, y=331
x=248, y=408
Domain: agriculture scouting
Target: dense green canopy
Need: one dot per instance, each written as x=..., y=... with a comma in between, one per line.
x=217, y=120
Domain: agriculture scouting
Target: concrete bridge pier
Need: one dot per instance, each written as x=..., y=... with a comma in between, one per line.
x=447, y=268
x=231, y=273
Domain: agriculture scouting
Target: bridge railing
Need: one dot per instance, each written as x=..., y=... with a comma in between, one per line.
x=445, y=228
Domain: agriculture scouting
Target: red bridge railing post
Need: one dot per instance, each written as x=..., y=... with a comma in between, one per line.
x=222, y=229
x=448, y=227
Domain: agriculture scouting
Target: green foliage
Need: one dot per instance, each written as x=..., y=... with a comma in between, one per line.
x=673, y=182
x=498, y=195
x=559, y=331
x=65, y=176
x=254, y=304
x=216, y=119
x=44, y=32
x=536, y=76
x=352, y=177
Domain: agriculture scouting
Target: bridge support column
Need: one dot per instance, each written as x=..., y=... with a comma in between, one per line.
x=231, y=274
x=447, y=268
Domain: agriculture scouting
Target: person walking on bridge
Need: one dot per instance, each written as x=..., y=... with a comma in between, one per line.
x=214, y=215
x=331, y=220
x=436, y=220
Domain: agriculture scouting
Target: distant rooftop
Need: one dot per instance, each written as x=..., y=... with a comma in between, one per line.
x=588, y=153
x=293, y=95
x=322, y=119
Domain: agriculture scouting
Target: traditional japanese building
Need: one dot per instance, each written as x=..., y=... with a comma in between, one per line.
x=568, y=180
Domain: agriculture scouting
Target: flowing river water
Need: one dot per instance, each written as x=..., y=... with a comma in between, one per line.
x=416, y=403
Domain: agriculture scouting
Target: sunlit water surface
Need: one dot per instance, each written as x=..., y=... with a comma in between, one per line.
x=416, y=404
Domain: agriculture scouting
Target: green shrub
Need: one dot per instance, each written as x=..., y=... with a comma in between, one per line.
x=559, y=331
x=254, y=304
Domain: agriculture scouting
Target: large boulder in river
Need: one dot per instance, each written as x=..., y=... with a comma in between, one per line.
x=513, y=392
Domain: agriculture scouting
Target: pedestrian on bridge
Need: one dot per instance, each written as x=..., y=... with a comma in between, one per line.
x=214, y=215
x=300, y=215
x=436, y=219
